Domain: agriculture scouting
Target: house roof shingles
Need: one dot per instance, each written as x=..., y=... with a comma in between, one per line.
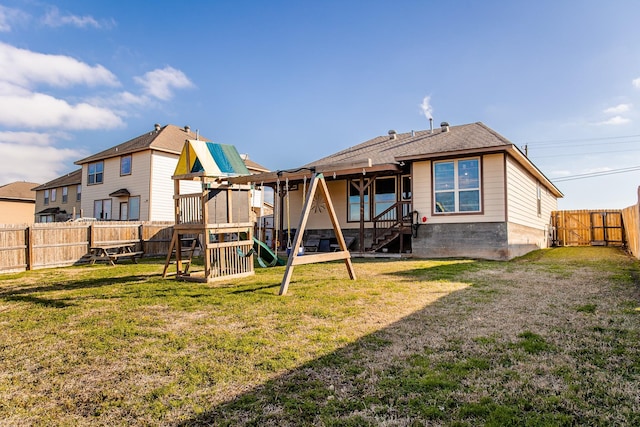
x=72, y=178
x=419, y=144
x=168, y=138
x=19, y=190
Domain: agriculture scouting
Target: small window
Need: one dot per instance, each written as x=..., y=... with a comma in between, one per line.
x=456, y=186
x=78, y=192
x=53, y=194
x=95, y=173
x=125, y=165
x=65, y=194
x=46, y=197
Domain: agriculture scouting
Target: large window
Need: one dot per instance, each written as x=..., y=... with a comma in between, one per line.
x=102, y=209
x=456, y=186
x=354, y=201
x=125, y=165
x=96, y=173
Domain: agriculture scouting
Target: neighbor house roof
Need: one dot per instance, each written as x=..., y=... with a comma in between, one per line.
x=72, y=178
x=19, y=191
x=168, y=138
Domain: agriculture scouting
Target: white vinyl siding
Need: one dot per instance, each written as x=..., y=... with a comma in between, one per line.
x=162, y=186
x=523, y=198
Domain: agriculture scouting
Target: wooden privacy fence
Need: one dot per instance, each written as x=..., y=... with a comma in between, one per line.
x=29, y=247
x=588, y=228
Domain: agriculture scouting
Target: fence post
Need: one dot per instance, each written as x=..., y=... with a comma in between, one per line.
x=28, y=245
x=141, y=236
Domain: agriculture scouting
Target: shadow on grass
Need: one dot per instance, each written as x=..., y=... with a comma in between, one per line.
x=21, y=293
x=338, y=388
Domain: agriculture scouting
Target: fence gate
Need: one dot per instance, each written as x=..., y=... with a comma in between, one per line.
x=587, y=228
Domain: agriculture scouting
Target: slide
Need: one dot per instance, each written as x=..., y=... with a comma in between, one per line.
x=265, y=256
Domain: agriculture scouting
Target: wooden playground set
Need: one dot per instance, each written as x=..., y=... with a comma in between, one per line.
x=216, y=219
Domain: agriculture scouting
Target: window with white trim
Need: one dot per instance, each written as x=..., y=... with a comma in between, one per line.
x=456, y=186
x=95, y=173
x=125, y=165
x=102, y=209
x=46, y=197
x=65, y=194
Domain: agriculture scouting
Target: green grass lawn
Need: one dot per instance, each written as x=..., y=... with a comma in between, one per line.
x=548, y=339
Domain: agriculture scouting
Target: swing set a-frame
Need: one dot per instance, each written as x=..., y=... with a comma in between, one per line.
x=295, y=255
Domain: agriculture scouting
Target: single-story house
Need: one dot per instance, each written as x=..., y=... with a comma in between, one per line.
x=17, y=202
x=453, y=191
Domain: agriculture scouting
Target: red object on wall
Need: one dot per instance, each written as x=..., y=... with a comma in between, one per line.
x=424, y=219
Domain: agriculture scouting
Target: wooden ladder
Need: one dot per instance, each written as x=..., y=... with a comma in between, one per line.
x=183, y=253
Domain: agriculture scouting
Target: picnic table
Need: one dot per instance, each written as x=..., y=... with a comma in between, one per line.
x=113, y=252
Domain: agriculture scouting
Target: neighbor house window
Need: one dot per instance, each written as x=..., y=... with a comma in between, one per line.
x=78, y=192
x=354, y=201
x=96, y=172
x=65, y=194
x=456, y=186
x=46, y=197
x=134, y=208
x=53, y=194
x=125, y=165
x=102, y=209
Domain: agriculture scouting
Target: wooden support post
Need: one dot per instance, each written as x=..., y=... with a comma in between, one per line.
x=294, y=258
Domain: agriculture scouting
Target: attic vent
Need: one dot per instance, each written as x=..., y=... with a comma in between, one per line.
x=157, y=126
x=392, y=134
x=187, y=129
x=444, y=126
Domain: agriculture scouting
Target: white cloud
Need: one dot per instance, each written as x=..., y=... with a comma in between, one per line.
x=618, y=109
x=26, y=68
x=54, y=19
x=32, y=156
x=9, y=16
x=636, y=83
x=161, y=82
x=614, y=121
x=43, y=111
x=29, y=138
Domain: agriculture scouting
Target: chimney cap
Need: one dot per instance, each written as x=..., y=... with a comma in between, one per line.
x=157, y=126
x=445, y=126
x=392, y=134
x=187, y=128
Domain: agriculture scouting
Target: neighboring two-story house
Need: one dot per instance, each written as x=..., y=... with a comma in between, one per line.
x=59, y=200
x=132, y=181
x=17, y=202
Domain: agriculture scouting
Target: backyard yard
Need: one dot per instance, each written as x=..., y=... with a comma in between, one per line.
x=552, y=338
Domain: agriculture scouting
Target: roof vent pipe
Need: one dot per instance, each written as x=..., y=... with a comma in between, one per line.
x=445, y=126
x=157, y=126
x=430, y=124
x=392, y=134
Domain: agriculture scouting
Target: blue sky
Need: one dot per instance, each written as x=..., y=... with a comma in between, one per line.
x=289, y=82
